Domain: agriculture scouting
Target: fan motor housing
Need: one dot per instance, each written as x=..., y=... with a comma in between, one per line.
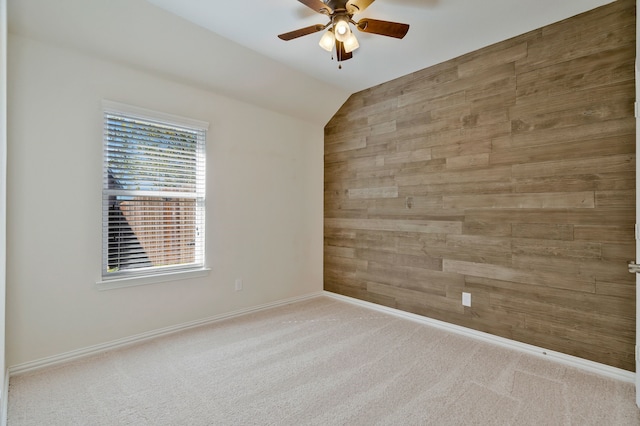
x=339, y=7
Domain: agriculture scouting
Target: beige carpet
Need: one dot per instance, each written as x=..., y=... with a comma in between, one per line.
x=317, y=362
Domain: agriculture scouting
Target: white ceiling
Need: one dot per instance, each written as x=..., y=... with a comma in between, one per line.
x=231, y=47
x=439, y=30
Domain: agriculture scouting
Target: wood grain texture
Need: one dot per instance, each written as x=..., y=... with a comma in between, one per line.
x=508, y=173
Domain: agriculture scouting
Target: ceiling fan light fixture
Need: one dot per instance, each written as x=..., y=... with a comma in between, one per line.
x=327, y=41
x=339, y=36
x=341, y=28
x=351, y=43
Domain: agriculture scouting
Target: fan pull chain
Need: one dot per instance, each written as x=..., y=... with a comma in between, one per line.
x=339, y=56
x=339, y=64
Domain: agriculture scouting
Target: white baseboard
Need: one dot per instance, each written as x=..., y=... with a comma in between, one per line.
x=583, y=364
x=573, y=361
x=4, y=405
x=115, y=344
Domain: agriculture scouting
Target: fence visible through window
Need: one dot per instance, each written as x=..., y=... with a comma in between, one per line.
x=153, y=195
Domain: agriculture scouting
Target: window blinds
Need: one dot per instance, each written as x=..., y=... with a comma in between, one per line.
x=153, y=196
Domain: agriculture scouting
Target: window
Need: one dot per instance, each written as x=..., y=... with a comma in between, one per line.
x=153, y=193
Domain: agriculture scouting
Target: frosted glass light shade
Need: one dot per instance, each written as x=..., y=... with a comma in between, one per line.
x=342, y=30
x=327, y=41
x=351, y=43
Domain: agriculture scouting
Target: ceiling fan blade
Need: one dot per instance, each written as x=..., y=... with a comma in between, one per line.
x=358, y=5
x=317, y=5
x=301, y=32
x=341, y=53
x=385, y=28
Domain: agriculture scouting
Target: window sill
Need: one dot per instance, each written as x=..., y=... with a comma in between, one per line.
x=151, y=279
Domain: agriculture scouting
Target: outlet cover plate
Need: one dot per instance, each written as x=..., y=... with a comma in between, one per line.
x=466, y=299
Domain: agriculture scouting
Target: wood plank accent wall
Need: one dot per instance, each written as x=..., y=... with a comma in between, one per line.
x=508, y=173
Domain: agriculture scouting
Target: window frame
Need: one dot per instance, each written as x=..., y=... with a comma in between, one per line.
x=160, y=273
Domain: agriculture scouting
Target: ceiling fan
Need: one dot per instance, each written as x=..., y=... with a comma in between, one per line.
x=339, y=34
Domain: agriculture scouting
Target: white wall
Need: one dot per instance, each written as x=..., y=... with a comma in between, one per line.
x=3, y=186
x=264, y=204
x=140, y=34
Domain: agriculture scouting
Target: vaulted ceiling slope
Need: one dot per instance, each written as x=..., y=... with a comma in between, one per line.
x=141, y=35
x=440, y=30
x=231, y=47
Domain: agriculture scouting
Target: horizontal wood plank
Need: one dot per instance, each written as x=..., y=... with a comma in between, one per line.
x=508, y=173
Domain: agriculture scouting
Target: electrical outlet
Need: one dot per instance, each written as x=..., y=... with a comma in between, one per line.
x=238, y=284
x=466, y=299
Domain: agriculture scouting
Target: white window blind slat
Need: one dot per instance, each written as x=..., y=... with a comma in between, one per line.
x=153, y=195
